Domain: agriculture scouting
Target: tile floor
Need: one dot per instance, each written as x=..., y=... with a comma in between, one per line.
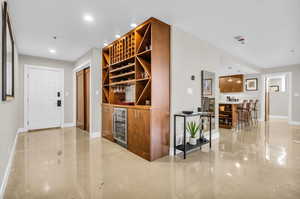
x=261, y=163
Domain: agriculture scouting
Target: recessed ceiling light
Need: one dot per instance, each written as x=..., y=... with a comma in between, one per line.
x=53, y=51
x=118, y=36
x=88, y=18
x=133, y=25
x=105, y=44
x=237, y=165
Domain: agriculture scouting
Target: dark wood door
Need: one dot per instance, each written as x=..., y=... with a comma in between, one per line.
x=80, y=114
x=87, y=99
x=107, y=124
x=139, y=132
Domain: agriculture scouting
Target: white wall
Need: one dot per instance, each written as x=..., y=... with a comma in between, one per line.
x=93, y=57
x=9, y=124
x=68, y=82
x=190, y=55
x=294, y=86
x=279, y=101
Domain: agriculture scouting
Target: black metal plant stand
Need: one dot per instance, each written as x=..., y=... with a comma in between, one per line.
x=185, y=147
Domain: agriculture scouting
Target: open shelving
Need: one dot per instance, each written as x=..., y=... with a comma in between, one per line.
x=127, y=62
x=136, y=76
x=227, y=115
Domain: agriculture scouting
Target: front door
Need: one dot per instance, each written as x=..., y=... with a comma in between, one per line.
x=44, y=97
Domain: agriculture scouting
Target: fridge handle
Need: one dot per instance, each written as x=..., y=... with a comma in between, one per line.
x=113, y=123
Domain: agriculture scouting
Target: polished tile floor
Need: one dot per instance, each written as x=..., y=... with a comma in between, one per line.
x=262, y=163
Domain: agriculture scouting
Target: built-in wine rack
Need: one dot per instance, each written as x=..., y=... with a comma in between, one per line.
x=127, y=63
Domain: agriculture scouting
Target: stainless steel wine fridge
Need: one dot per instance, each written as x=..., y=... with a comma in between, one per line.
x=120, y=126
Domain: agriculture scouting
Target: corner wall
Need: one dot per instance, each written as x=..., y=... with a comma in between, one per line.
x=68, y=83
x=93, y=57
x=295, y=88
x=190, y=55
x=9, y=125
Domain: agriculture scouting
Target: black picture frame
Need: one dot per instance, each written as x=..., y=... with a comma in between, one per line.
x=8, y=54
x=249, y=86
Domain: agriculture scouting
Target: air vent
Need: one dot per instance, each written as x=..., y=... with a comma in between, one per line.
x=240, y=39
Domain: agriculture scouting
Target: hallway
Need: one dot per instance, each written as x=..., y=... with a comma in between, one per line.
x=65, y=163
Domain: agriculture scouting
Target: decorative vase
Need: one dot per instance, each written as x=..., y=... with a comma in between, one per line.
x=193, y=141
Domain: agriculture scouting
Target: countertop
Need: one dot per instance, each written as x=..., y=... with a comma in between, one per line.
x=230, y=102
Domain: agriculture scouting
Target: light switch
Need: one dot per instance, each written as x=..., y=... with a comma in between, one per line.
x=190, y=91
x=296, y=94
x=67, y=94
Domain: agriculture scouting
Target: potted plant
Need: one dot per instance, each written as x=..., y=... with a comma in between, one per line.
x=193, y=128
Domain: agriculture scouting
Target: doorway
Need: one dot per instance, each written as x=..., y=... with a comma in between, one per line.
x=277, y=94
x=43, y=97
x=83, y=99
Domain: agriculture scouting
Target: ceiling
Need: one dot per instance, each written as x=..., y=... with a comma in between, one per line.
x=271, y=27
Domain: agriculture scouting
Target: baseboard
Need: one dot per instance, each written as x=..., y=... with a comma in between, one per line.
x=8, y=167
x=70, y=124
x=261, y=119
x=22, y=130
x=278, y=117
x=95, y=134
x=294, y=123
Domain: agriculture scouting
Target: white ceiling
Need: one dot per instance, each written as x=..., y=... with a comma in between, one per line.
x=271, y=27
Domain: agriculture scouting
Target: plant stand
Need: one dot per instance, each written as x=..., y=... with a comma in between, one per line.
x=185, y=147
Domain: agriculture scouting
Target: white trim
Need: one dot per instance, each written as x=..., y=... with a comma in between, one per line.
x=84, y=65
x=22, y=130
x=95, y=135
x=8, y=167
x=278, y=117
x=294, y=123
x=70, y=124
x=62, y=71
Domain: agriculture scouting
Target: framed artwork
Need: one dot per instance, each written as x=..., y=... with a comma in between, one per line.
x=207, y=87
x=8, y=87
x=251, y=84
x=274, y=88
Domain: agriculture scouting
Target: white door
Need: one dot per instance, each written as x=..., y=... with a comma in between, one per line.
x=44, y=93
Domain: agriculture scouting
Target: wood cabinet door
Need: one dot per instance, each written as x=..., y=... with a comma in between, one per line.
x=231, y=84
x=87, y=98
x=80, y=112
x=107, y=124
x=223, y=85
x=139, y=132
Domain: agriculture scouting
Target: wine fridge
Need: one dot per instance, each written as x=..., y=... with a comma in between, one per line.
x=120, y=126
